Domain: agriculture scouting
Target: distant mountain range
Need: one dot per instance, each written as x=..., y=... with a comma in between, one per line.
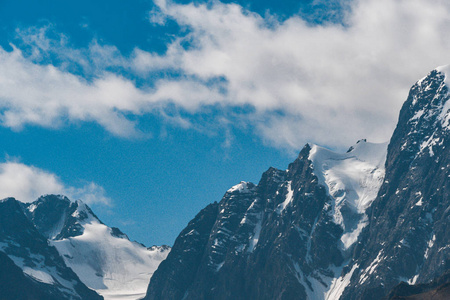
x=370, y=223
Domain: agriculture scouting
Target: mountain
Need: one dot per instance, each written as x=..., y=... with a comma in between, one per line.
x=31, y=268
x=333, y=225
x=104, y=258
x=408, y=237
x=55, y=248
x=279, y=239
x=15, y=284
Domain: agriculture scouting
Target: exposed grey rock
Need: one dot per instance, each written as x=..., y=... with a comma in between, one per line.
x=408, y=237
x=257, y=246
x=278, y=239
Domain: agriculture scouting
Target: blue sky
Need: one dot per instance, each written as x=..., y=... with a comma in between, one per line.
x=150, y=111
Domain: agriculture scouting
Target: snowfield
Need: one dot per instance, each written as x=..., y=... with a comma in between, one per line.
x=112, y=265
x=353, y=180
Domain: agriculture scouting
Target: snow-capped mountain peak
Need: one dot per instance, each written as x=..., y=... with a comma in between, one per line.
x=103, y=258
x=57, y=217
x=428, y=113
x=29, y=250
x=242, y=187
x=352, y=180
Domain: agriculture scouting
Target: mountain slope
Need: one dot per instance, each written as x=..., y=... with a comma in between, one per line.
x=285, y=237
x=348, y=226
x=408, y=237
x=104, y=258
x=34, y=259
x=15, y=284
x=185, y=256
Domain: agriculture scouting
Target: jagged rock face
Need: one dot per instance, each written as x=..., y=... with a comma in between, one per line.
x=56, y=217
x=332, y=226
x=408, y=236
x=261, y=242
x=32, y=254
x=176, y=274
x=50, y=215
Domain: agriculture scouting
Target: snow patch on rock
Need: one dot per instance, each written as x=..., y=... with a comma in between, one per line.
x=289, y=197
x=39, y=275
x=242, y=187
x=338, y=285
x=255, y=238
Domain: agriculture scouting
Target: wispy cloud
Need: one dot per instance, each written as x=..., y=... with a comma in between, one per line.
x=330, y=84
x=90, y=193
x=27, y=183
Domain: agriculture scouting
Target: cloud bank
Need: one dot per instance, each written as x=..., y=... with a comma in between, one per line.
x=330, y=84
x=27, y=183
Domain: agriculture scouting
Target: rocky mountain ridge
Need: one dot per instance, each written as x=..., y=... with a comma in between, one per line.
x=281, y=239
x=413, y=204
x=331, y=226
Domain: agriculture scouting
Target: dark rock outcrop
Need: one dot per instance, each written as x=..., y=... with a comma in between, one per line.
x=438, y=289
x=261, y=242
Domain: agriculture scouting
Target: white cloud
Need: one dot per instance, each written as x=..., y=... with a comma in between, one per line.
x=46, y=96
x=330, y=84
x=27, y=183
x=89, y=193
x=333, y=83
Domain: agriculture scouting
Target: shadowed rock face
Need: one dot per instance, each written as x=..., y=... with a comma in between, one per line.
x=15, y=285
x=408, y=237
x=178, y=272
x=438, y=289
x=259, y=242
x=280, y=239
x=56, y=217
